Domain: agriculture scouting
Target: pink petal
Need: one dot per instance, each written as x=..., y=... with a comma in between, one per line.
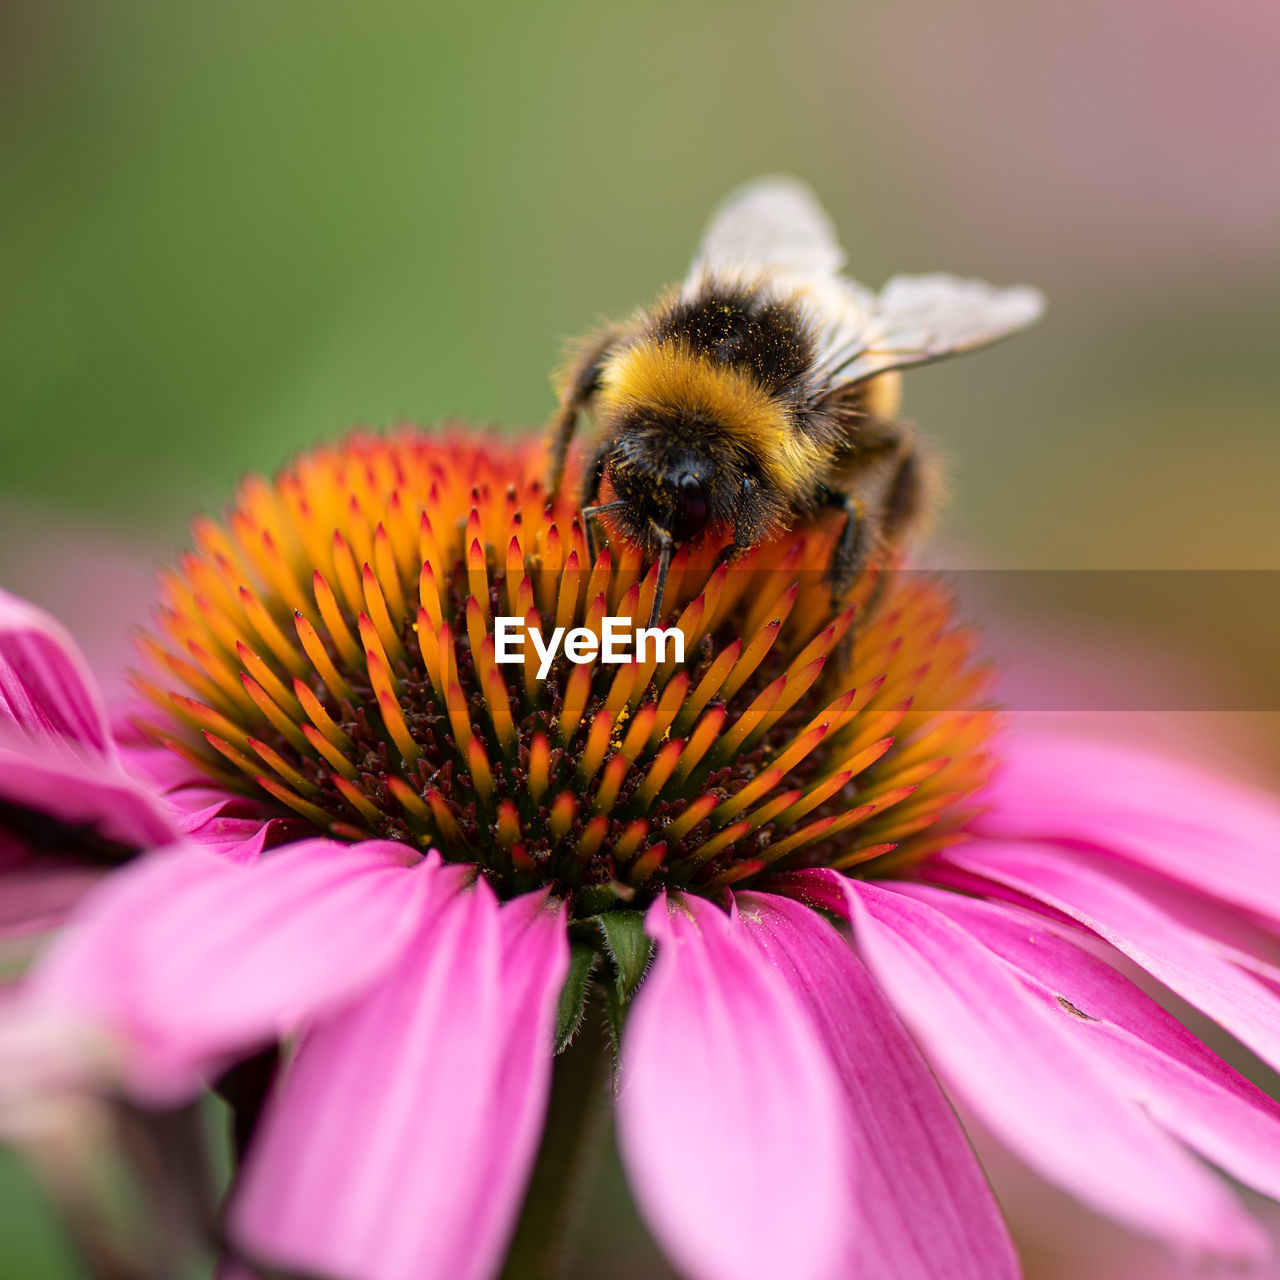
x=923, y=1204
x=45, y=685
x=191, y=959
x=401, y=1140
x=78, y=791
x=156, y=767
x=1202, y=828
x=726, y=1110
x=1150, y=1055
x=236, y=828
x=1245, y=939
x=1023, y=1074
x=39, y=894
x=1168, y=950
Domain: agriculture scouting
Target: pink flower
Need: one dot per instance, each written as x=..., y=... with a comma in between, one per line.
x=68, y=809
x=810, y=913
x=76, y=798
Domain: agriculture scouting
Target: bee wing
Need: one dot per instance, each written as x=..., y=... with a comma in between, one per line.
x=917, y=319
x=774, y=223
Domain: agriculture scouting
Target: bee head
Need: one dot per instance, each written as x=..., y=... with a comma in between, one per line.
x=669, y=485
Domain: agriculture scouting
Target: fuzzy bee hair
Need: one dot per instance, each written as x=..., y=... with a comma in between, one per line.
x=766, y=388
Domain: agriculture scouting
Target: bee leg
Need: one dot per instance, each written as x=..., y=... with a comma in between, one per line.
x=589, y=528
x=590, y=492
x=847, y=561
x=580, y=384
x=589, y=515
x=664, y=563
x=905, y=495
x=729, y=553
x=745, y=532
x=594, y=478
x=854, y=548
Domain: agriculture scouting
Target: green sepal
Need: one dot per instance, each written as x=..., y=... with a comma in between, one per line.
x=615, y=1012
x=628, y=945
x=573, y=995
x=603, y=897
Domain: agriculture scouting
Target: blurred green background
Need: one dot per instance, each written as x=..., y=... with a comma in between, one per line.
x=229, y=230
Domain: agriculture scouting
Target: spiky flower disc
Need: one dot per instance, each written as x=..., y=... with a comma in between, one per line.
x=330, y=648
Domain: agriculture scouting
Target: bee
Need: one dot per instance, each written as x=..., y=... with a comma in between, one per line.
x=765, y=389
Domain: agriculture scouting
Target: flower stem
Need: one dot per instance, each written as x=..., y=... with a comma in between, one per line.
x=557, y=1189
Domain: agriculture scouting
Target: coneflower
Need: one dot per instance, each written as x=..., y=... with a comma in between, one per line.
x=423, y=866
x=69, y=811
x=331, y=649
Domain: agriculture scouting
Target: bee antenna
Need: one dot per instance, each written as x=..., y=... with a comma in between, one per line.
x=664, y=563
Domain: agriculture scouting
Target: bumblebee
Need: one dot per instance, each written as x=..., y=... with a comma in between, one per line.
x=766, y=388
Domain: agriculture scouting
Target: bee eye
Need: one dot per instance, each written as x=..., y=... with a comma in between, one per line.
x=691, y=507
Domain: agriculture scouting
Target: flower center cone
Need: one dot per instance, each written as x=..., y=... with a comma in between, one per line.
x=329, y=649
